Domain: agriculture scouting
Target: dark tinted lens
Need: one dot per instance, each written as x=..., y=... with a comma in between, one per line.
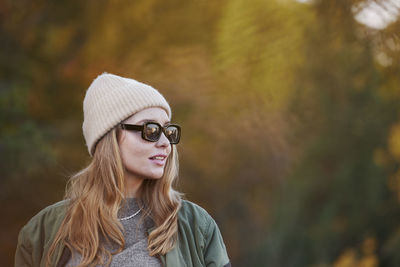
x=152, y=132
x=173, y=134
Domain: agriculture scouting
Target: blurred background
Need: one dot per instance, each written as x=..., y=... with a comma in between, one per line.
x=290, y=115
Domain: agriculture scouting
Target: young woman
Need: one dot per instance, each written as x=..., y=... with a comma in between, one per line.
x=121, y=210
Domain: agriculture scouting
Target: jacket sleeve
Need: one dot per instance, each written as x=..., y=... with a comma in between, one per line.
x=23, y=254
x=215, y=254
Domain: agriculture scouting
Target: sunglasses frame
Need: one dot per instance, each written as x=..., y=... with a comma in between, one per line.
x=140, y=128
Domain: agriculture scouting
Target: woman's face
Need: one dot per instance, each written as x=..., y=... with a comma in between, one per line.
x=144, y=159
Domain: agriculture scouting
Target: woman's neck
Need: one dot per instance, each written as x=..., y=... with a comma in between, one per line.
x=132, y=186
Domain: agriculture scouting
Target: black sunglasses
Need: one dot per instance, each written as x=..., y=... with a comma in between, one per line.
x=151, y=131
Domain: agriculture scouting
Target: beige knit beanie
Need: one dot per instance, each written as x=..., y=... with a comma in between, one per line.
x=111, y=99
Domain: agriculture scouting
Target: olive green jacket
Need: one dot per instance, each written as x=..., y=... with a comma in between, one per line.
x=199, y=240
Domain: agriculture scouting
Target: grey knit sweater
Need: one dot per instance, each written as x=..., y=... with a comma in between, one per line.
x=135, y=234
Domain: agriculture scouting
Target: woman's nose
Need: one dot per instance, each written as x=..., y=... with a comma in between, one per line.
x=163, y=141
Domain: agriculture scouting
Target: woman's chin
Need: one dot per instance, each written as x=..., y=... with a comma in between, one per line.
x=155, y=176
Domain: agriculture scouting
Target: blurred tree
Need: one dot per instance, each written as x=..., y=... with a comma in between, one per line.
x=34, y=43
x=336, y=195
x=289, y=116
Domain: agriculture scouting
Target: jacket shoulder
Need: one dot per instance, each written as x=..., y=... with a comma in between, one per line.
x=52, y=209
x=194, y=215
x=189, y=208
x=49, y=214
x=195, y=220
x=41, y=227
x=35, y=237
x=199, y=239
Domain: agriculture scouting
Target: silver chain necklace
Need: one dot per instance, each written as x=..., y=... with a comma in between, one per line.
x=130, y=216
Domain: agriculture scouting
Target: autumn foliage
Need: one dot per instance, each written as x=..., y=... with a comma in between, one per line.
x=289, y=111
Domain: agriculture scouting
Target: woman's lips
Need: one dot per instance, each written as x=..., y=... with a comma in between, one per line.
x=158, y=159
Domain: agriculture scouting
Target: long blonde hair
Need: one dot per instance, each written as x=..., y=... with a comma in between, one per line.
x=96, y=194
